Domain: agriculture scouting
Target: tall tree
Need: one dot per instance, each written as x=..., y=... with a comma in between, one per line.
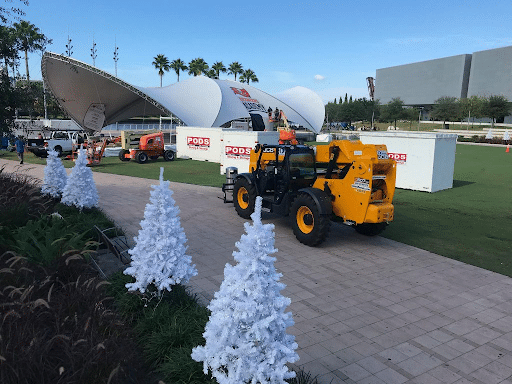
x=392, y=111
x=471, y=107
x=218, y=67
x=235, y=68
x=446, y=108
x=162, y=64
x=178, y=65
x=247, y=76
x=8, y=51
x=496, y=107
x=30, y=39
x=197, y=67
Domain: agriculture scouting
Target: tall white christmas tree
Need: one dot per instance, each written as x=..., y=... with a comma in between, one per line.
x=55, y=176
x=489, y=134
x=159, y=254
x=246, y=339
x=506, y=136
x=80, y=190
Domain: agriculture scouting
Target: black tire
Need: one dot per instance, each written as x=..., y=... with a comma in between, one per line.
x=142, y=157
x=370, y=229
x=244, y=197
x=169, y=155
x=58, y=149
x=309, y=226
x=123, y=152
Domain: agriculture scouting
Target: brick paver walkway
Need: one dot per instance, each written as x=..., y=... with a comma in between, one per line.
x=366, y=310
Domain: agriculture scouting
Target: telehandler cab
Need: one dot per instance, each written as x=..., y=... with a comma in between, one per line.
x=344, y=181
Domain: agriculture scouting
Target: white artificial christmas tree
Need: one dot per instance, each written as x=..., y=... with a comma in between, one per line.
x=489, y=134
x=159, y=254
x=506, y=136
x=55, y=176
x=246, y=339
x=80, y=190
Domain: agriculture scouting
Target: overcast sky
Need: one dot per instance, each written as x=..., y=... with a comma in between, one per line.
x=327, y=46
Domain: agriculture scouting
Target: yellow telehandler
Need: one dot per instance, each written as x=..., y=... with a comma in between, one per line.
x=344, y=181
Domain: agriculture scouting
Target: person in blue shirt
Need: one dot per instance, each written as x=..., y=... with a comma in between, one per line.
x=20, y=148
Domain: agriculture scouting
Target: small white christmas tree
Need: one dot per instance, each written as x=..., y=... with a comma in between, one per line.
x=246, y=339
x=506, y=136
x=55, y=176
x=489, y=134
x=80, y=190
x=159, y=254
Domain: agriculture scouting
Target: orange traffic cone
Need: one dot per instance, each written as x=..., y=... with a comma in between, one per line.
x=508, y=148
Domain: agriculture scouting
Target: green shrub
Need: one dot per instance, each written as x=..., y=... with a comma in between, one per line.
x=43, y=241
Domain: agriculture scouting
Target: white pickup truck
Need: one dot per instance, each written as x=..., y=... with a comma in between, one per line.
x=60, y=141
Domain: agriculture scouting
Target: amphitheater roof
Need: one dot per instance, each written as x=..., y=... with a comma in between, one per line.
x=94, y=98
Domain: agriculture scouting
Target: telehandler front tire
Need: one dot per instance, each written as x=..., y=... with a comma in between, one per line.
x=370, y=229
x=309, y=226
x=244, y=197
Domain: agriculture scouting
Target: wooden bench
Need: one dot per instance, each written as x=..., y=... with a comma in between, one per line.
x=115, y=243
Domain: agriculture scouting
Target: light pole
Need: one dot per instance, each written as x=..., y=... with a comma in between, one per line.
x=93, y=52
x=419, y=117
x=69, y=47
x=116, y=55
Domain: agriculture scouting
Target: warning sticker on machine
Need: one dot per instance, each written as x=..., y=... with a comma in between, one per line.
x=362, y=185
x=382, y=155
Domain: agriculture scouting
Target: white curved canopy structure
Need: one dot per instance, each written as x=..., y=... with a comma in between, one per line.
x=94, y=98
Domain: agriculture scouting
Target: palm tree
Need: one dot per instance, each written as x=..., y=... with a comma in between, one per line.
x=235, y=68
x=211, y=74
x=247, y=76
x=218, y=67
x=197, y=67
x=178, y=65
x=162, y=64
x=30, y=39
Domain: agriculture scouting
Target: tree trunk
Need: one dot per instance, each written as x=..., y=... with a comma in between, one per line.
x=6, y=66
x=26, y=66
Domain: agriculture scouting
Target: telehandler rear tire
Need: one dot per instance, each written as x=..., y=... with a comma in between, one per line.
x=244, y=197
x=370, y=229
x=309, y=226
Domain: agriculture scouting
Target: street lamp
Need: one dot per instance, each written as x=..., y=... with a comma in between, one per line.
x=419, y=117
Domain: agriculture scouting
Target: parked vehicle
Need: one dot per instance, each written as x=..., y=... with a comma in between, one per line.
x=345, y=181
x=61, y=142
x=142, y=147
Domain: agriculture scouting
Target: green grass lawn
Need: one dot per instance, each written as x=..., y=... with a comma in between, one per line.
x=179, y=170
x=472, y=222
